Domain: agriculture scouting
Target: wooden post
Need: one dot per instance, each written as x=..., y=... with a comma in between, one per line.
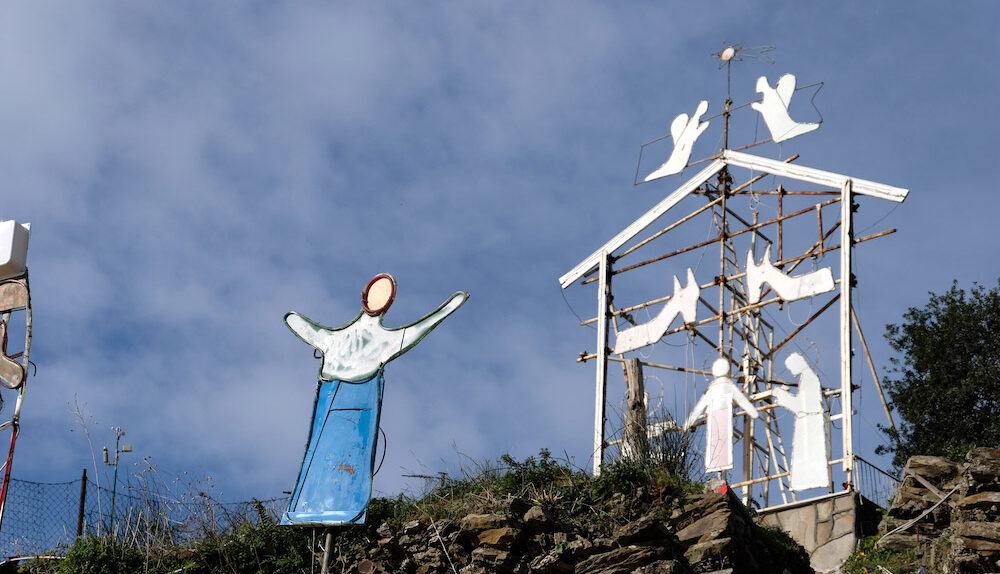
x=846, y=247
x=327, y=544
x=83, y=502
x=748, y=434
x=635, y=443
x=871, y=366
x=601, y=392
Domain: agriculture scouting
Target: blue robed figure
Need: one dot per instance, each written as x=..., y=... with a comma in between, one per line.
x=335, y=480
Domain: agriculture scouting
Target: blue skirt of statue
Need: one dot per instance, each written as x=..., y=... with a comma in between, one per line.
x=335, y=481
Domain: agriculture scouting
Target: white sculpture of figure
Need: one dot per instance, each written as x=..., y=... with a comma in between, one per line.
x=684, y=132
x=684, y=302
x=788, y=288
x=774, y=108
x=810, y=467
x=717, y=404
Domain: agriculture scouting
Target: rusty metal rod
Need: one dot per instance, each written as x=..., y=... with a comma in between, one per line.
x=871, y=365
x=770, y=354
x=761, y=479
x=750, y=227
x=786, y=192
x=794, y=260
x=669, y=227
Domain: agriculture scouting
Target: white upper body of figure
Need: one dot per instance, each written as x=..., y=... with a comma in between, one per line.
x=721, y=393
x=358, y=350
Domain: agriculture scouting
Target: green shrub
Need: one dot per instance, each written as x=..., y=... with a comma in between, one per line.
x=867, y=558
x=93, y=555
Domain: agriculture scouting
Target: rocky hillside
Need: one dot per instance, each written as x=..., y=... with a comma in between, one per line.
x=946, y=515
x=632, y=519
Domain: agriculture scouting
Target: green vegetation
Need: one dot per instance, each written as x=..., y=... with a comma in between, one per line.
x=946, y=385
x=259, y=544
x=867, y=559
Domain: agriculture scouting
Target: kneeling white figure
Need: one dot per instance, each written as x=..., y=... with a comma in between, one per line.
x=811, y=439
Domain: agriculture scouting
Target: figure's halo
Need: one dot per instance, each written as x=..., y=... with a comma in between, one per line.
x=378, y=294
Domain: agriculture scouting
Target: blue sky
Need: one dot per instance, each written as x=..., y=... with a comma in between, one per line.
x=193, y=171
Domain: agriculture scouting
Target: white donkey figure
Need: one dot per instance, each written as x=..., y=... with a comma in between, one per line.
x=684, y=302
x=787, y=287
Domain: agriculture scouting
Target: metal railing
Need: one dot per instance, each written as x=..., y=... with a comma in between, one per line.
x=874, y=483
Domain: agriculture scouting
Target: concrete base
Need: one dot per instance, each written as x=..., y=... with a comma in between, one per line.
x=828, y=527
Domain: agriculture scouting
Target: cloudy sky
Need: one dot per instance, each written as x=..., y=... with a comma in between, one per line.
x=192, y=171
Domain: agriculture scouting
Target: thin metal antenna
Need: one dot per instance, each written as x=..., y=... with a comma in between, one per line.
x=736, y=53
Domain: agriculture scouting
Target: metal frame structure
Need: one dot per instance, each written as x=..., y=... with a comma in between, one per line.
x=734, y=327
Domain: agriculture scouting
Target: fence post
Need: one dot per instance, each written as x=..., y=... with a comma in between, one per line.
x=635, y=442
x=83, y=500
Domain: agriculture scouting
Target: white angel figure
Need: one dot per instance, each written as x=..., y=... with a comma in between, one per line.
x=684, y=132
x=774, y=108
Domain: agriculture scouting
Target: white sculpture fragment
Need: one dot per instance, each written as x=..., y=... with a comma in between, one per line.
x=788, y=288
x=717, y=404
x=809, y=467
x=684, y=132
x=684, y=303
x=774, y=108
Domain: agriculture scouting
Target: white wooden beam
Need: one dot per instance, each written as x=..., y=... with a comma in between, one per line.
x=812, y=175
x=601, y=392
x=846, y=247
x=642, y=223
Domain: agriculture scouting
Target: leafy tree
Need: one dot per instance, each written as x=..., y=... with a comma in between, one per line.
x=946, y=385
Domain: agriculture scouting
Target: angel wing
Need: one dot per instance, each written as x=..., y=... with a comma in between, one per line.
x=785, y=88
x=677, y=127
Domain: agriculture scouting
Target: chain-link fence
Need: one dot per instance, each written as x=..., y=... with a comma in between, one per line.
x=45, y=518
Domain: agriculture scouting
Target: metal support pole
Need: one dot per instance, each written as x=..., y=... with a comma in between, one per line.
x=601, y=391
x=846, y=247
x=83, y=503
x=748, y=435
x=871, y=366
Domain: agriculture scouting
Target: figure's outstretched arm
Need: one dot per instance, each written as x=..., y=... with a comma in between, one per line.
x=786, y=399
x=414, y=332
x=699, y=408
x=306, y=329
x=744, y=402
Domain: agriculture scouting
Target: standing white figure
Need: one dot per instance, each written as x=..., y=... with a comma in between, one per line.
x=774, y=108
x=684, y=132
x=787, y=287
x=809, y=468
x=717, y=404
x=684, y=303
x=335, y=480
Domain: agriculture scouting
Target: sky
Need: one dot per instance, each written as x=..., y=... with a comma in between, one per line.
x=194, y=170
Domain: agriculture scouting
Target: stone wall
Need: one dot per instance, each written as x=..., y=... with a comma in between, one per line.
x=948, y=513
x=692, y=534
x=828, y=528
